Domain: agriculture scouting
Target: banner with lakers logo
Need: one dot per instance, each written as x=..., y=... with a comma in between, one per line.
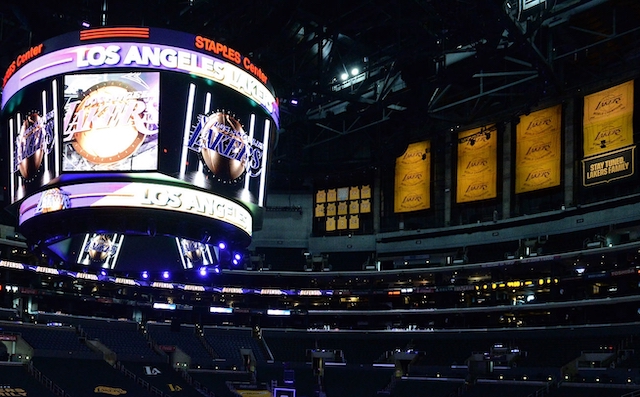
x=608, y=119
x=477, y=164
x=413, y=178
x=538, y=150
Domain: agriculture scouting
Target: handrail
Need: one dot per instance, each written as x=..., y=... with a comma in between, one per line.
x=46, y=382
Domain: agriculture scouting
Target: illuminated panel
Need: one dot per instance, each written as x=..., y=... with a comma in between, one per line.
x=165, y=306
x=141, y=56
x=278, y=312
x=224, y=310
x=126, y=281
x=232, y=290
x=310, y=292
x=192, y=288
x=84, y=276
x=158, y=284
x=12, y=265
x=136, y=195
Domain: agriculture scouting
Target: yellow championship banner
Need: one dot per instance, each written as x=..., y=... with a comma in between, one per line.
x=608, y=119
x=477, y=164
x=539, y=150
x=413, y=178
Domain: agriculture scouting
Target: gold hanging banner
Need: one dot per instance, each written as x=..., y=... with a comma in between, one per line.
x=539, y=150
x=608, y=119
x=477, y=164
x=413, y=178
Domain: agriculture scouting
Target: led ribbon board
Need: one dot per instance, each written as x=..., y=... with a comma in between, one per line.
x=141, y=55
x=136, y=195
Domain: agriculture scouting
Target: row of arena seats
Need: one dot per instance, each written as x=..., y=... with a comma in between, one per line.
x=442, y=355
x=209, y=347
x=91, y=377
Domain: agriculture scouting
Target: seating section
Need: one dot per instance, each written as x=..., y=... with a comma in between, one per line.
x=9, y=314
x=497, y=389
x=431, y=388
x=216, y=382
x=82, y=378
x=355, y=381
x=51, y=341
x=357, y=348
x=162, y=377
x=16, y=381
x=61, y=356
x=227, y=342
x=588, y=391
x=186, y=339
x=123, y=338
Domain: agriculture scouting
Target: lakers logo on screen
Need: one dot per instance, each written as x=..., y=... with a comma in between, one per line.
x=228, y=151
x=224, y=146
x=110, y=123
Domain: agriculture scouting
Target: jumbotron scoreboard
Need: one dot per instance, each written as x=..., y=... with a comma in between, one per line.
x=135, y=136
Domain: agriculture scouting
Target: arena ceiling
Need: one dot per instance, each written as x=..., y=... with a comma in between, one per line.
x=424, y=67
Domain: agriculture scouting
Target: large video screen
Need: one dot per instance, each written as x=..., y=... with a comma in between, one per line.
x=111, y=122
x=148, y=100
x=149, y=109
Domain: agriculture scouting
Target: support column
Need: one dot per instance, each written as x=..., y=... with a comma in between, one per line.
x=569, y=150
x=506, y=172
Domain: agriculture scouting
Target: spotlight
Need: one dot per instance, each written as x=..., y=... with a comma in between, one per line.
x=222, y=245
x=237, y=256
x=103, y=273
x=145, y=275
x=294, y=101
x=216, y=270
x=355, y=71
x=85, y=24
x=165, y=275
x=203, y=271
x=344, y=76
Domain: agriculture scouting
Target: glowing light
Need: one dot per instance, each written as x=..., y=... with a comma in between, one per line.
x=165, y=274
